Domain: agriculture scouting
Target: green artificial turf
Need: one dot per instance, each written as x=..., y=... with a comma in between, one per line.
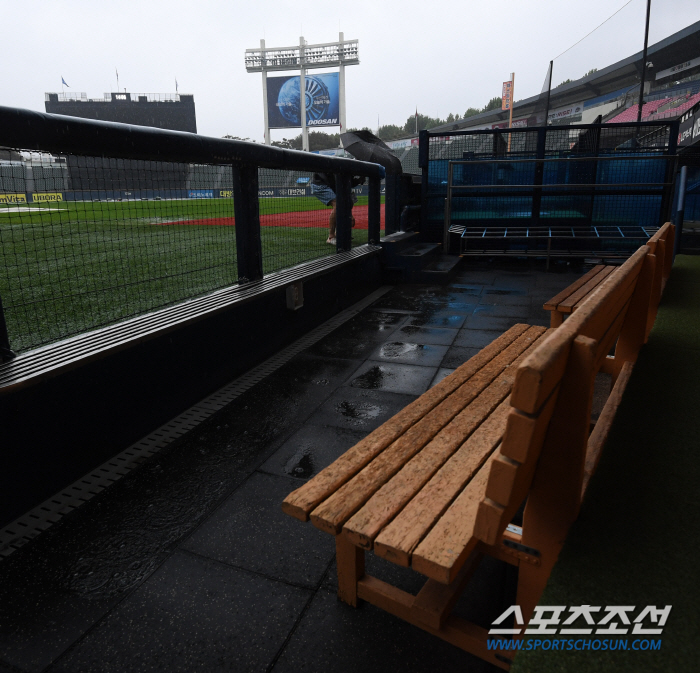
x=637, y=539
x=69, y=267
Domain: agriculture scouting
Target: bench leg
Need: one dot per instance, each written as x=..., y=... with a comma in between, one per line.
x=351, y=568
x=556, y=318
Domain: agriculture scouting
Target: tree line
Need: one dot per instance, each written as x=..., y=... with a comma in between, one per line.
x=318, y=140
x=326, y=141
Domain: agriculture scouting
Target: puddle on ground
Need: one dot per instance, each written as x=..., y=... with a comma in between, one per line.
x=358, y=411
x=372, y=379
x=301, y=464
x=506, y=292
x=400, y=349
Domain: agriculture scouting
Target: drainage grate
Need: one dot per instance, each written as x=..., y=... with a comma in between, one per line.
x=31, y=524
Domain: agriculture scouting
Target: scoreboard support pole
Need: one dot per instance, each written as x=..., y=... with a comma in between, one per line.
x=341, y=85
x=264, y=82
x=302, y=95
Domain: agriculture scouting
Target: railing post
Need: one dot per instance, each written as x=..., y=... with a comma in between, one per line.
x=343, y=212
x=6, y=353
x=423, y=163
x=374, y=214
x=448, y=209
x=680, y=212
x=669, y=188
x=392, y=203
x=247, y=210
x=539, y=174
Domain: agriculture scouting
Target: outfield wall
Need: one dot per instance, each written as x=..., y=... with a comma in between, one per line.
x=140, y=194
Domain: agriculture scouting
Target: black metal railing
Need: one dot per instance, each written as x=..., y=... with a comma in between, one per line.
x=101, y=221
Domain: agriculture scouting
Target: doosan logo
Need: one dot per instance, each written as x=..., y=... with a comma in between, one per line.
x=323, y=122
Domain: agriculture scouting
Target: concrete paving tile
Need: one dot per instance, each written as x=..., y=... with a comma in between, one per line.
x=349, y=348
x=399, y=299
x=441, y=374
x=310, y=449
x=359, y=409
x=459, y=292
x=450, y=318
x=250, y=531
x=394, y=378
x=333, y=636
x=490, y=323
x=505, y=299
x=475, y=277
x=356, y=337
x=501, y=311
x=552, y=281
x=505, y=291
x=39, y=616
x=384, y=320
x=410, y=353
x=514, y=279
x=440, y=336
x=475, y=338
x=470, y=288
x=457, y=356
x=318, y=373
x=193, y=615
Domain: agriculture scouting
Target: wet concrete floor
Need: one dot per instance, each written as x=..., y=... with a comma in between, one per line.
x=188, y=564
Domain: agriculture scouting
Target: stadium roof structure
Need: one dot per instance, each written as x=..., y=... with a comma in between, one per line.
x=625, y=74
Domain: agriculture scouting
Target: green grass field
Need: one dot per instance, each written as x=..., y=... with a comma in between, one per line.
x=69, y=267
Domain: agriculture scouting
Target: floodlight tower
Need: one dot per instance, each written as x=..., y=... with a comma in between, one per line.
x=304, y=57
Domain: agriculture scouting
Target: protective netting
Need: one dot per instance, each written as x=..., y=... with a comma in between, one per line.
x=617, y=175
x=89, y=241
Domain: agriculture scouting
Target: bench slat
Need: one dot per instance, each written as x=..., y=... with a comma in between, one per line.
x=441, y=554
x=593, y=317
x=398, y=540
x=363, y=527
x=509, y=479
x=303, y=500
x=554, y=302
x=541, y=371
x=539, y=374
x=366, y=524
x=331, y=514
x=569, y=304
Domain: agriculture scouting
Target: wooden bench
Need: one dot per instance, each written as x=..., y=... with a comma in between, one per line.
x=436, y=486
x=567, y=301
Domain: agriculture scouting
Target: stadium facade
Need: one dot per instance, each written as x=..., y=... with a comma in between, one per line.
x=162, y=111
x=672, y=88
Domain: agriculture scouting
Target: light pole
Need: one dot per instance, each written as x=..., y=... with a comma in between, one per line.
x=644, y=65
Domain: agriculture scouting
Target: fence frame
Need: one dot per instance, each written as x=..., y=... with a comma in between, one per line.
x=57, y=134
x=540, y=158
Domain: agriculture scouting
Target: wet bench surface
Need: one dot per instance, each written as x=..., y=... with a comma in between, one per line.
x=569, y=299
x=437, y=484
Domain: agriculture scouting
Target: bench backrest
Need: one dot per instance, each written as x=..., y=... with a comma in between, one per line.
x=544, y=446
x=661, y=245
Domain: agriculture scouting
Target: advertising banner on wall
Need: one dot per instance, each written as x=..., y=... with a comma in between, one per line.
x=689, y=131
x=284, y=101
x=507, y=96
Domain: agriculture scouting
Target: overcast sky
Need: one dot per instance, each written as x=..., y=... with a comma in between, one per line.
x=442, y=57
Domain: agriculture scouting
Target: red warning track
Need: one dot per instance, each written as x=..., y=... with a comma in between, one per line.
x=304, y=218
